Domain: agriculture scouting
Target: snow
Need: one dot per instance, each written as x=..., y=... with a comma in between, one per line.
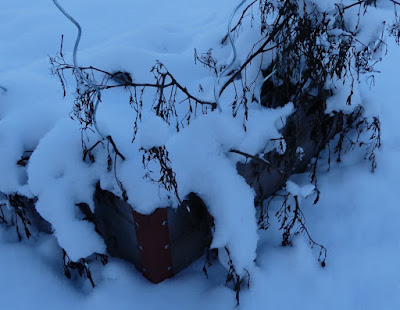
x=301, y=191
x=342, y=100
x=356, y=217
x=59, y=178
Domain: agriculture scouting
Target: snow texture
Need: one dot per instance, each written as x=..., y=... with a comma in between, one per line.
x=357, y=214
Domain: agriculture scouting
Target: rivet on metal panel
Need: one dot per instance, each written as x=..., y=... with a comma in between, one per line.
x=166, y=247
x=164, y=223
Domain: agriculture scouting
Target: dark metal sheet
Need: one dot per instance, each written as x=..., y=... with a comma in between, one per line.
x=114, y=221
x=189, y=231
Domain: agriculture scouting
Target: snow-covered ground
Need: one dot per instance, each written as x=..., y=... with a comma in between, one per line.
x=356, y=217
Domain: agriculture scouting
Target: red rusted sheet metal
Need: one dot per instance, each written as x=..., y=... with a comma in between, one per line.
x=154, y=244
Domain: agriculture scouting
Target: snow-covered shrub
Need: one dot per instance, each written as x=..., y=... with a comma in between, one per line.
x=174, y=141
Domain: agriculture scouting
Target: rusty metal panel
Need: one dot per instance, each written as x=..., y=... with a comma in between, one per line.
x=154, y=244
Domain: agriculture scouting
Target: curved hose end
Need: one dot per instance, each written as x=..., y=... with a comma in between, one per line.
x=262, y=84
x=216, y=96
x=79, y=71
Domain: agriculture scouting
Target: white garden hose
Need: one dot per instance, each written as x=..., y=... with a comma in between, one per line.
x=78, y=70
x=223, y=73
x=262, y=83
x=97, y=90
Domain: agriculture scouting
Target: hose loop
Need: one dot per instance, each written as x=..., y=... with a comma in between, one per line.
x=79, y=71
x=262, y=84
x=223, y=73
